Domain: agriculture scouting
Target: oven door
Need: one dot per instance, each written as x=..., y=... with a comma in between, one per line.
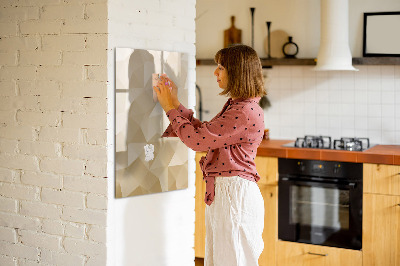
x=321, y=212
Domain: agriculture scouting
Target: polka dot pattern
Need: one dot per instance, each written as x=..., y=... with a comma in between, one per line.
x=231, y=139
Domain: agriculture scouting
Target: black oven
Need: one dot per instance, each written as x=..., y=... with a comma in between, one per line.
x=320, y=202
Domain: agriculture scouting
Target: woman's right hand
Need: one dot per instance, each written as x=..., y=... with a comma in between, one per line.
x=174, y=89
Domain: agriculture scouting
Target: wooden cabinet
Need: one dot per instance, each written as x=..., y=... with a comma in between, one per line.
x=381, y=179
x=381, y=230
x=381, y=215
x=268, y=169
x=200, y=207
x=270, y=233
x=298, y=254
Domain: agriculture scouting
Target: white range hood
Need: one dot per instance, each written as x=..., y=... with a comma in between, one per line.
x=334, y=51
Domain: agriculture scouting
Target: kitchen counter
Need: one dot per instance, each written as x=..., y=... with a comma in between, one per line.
x=379, y=154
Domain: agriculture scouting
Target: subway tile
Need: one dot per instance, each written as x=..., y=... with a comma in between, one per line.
x=374, y=123
x=374, y=110
x=310, y=95
x=348, y=132
x=348, y=96
x=297, y=83
x=374, y=97
x=361, y=110
x=309, y=72
x=335, y=95
x=374, y=70
x=335, y=122
x=388, y=84
x=284, y=83
x=322, y=96
x=334, y=109
x=374, y=84
x=375, y=136
x=347, y=109
x=388, y=137
x=387, y=71
x=310, y=108
x=388, y=124
x=322, y=121
x=397, y=123
x=361, y=97
x=361, y=123
x=388, y=110
x=388, y=97
x=397, y=134
x=348, y=122
x=322, y=109
x=296, y=72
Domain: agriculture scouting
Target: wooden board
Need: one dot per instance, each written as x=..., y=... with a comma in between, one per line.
x=232, y=35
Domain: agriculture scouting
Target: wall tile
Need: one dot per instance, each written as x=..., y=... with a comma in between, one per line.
x=339, y=104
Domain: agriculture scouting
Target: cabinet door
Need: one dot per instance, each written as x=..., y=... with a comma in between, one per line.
x=297, y=254
x=200, y=207
x=270, y=233
x=381, y=179
x=267, y=168
x=381, y=230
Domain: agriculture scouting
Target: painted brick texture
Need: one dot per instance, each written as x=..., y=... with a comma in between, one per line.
x=53, y=111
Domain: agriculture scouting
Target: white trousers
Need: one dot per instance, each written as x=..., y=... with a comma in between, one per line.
x=234, y=223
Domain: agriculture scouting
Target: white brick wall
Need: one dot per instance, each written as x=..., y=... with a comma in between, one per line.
x=53, y=109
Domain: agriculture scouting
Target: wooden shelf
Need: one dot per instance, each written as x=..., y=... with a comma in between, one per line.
x=312, y=61
x=376, y=61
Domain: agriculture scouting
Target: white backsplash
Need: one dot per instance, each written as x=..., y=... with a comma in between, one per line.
x=331, y=103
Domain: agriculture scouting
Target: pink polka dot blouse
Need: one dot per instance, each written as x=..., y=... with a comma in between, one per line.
x=231, y=139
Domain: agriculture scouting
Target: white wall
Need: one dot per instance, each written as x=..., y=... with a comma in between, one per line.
x=53, y=190
x=155, y=229
x=338, y=104
x=299, y=18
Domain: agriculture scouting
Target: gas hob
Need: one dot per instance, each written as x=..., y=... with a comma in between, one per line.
x=325, y=142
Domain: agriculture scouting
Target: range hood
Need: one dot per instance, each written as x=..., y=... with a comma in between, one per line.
x=334, y=51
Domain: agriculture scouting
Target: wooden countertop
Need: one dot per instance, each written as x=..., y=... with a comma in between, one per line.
x=379, y=154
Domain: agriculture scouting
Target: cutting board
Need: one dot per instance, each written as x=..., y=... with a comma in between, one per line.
x=232, y=35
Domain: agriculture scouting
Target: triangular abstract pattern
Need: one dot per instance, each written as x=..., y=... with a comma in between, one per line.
x=140, y=122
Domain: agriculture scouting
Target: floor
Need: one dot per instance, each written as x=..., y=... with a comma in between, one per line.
x=199, y=262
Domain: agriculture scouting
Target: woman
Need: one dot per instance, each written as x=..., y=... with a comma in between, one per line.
x=235, y=207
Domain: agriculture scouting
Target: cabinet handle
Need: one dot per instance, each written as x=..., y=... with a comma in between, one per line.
x=398, y=204
x=318, y=254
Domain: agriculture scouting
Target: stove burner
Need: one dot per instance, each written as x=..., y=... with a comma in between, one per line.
x=324, y=142
x=308, y=141
x=351, y=144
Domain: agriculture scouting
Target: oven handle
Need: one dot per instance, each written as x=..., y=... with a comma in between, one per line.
x=297, y=181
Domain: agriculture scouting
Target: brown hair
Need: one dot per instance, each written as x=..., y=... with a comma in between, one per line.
x=245, y=78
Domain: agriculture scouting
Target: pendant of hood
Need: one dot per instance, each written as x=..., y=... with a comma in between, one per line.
x=334, y=51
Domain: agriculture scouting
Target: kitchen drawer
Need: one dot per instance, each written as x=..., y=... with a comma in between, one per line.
x=381, y=179
x=298, y=254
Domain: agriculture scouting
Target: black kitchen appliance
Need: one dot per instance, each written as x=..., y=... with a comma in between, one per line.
x=320, y=202
x=325, y=142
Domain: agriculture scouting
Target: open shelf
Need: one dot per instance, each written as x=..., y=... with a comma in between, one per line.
x=312, y=61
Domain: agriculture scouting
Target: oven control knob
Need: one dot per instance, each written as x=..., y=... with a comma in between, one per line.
x=336, y=169
x=302, y=167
